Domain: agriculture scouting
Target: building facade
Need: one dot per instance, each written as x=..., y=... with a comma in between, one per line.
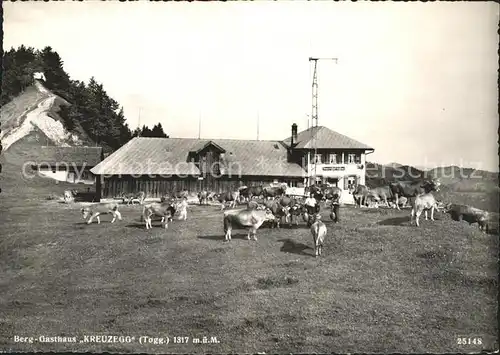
x=164, y=165
x=70, y=164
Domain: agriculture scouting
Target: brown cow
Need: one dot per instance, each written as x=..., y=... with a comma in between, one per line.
x=277, y=210
x=231, y=197
x=469, y=214
x=377, y=194
x=410, y=189
x=360, y=194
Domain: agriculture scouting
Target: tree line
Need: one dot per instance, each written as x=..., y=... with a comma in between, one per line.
x=90, y=108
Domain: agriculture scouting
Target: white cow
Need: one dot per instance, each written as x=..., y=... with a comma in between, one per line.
x=318, y=231
x=423, y=203
x=94, y=211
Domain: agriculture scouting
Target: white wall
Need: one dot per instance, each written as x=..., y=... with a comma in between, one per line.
x=63, y=175
x=349, y=169
x=57, y=175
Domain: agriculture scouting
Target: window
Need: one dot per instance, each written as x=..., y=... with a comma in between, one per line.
x=351, y=158
x=332, y=159
x=357, y=158
x=317, y=159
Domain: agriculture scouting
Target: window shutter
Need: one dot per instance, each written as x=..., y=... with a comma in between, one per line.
x=345, y=182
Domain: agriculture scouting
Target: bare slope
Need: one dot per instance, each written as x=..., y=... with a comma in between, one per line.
x=35, y=108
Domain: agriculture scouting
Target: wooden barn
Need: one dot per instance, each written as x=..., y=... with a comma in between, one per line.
x=164, y=165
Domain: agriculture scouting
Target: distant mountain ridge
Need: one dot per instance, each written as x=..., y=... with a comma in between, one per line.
x=454, y=177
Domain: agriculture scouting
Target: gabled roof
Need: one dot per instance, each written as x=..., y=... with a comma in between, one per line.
x=324, y=138
x=204, y=145
x=169, y=156
x=78, y=156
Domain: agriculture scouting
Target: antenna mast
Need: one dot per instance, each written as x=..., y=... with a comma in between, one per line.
x=139, y=124
x=199, y=125
x=258, y=123
x=314, y=111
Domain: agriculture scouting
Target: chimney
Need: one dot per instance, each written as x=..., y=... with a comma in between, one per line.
x=294, y=135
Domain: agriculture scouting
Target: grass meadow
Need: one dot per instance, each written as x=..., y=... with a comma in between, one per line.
x=381, y=285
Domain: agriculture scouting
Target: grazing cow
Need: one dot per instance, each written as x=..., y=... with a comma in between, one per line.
x=231, y=197
x=379, y=193
x=274, y=191
x=251, y=219
x=164, y=210
x=421, y=203
x=134, y=196
x=469, y=214
x=412, y=188
x=101, y=208
x=318, y=231
x=360, y=194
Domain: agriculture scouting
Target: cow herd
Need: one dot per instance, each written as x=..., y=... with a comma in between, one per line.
x=271, y=204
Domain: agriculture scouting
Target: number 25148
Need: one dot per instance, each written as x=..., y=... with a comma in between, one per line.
x=469, y=341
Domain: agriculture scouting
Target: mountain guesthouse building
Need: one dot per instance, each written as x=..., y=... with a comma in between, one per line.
x=164, y=165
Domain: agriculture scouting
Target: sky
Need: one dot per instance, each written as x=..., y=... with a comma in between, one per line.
x=416, y=81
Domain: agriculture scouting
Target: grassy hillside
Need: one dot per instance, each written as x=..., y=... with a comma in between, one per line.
x=17, y=180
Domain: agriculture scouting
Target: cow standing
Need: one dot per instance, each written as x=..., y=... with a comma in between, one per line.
x=411, y=189
x=203, y=197
x=94, y=211
x=277, y=210
x=378, y=194
x=421, y=203
x=134, y=196
x=231, y=197
x=246, y=219
x=360, y=194
x=318, y=231
x=164, y=210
